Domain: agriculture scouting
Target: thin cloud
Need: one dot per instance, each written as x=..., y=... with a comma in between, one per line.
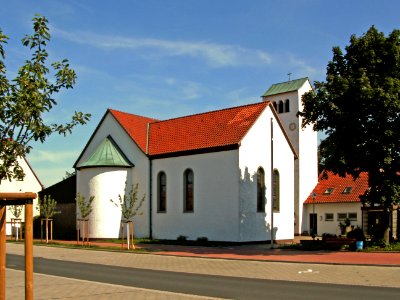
x=216, y=55
x=56, y=156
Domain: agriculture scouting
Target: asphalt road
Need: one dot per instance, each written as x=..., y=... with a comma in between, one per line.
x=204, y=285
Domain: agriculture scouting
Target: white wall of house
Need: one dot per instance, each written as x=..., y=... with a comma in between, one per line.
x=29, y=184
x=255, y=152
x=331, y=226
x=216, y=191
x=100, y=182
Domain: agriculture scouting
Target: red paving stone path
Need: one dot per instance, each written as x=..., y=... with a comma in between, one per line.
x=261, y=252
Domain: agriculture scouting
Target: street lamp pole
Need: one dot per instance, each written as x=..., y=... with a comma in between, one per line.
x=314, y=196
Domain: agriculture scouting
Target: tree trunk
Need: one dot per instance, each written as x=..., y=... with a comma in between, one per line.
x=47, y=231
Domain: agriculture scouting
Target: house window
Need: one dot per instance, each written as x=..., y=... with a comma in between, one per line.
x=162, y=192
x=188, y=183
x=275, y=105
x=352, y=216
x=275, y=191
x=328, y=217
x=260, y=190
x=341, y=216
x=328, y=191
x=287, y=106
x=347, y=190
x=280, y=107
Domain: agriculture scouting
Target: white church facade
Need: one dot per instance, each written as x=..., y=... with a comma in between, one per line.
x=234, y=174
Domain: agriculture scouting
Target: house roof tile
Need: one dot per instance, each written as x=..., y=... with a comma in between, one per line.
x=339, y=184
x=201, y=131
x=134, y=125
x=219, y=128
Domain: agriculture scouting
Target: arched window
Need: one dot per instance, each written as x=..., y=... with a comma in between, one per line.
x=188, y=185
x=275, y=191
x=280, y=107
x=162, y=192
x=287, y=105
x=275, y=105
x=260, y=190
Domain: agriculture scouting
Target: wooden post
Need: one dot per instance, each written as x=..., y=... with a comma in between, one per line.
x=2, y=251
x=29, y=250
x=17, y=199
x=84, y=223
x=17, y=225
x=129, y=232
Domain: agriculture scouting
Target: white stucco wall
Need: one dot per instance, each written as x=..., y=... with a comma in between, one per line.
x=255, y=152
x=29, y=184
x=305, y=141
x=332, y=227
x=99, y=180
x=215, y=214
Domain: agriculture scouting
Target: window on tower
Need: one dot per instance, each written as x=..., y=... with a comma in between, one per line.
x=287, y=106
x=280, y=107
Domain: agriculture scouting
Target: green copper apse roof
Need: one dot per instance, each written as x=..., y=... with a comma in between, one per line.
x=284, y=87
x=107, y=154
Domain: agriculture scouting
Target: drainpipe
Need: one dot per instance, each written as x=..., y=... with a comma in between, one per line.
x=272, y=182
x=150, y=183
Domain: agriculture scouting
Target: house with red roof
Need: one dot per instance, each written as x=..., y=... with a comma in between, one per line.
x=225, y=175
x=336, y=200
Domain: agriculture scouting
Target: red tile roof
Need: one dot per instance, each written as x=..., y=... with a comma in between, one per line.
x=208, y=130
x=359, y=186
x=134, y=125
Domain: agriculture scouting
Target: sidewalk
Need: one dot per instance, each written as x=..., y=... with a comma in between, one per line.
x=250, y=261
x=263, y=252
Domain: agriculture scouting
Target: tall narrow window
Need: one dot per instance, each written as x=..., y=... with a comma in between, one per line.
x=275, y=191
x=275, y=105
x=287, y=106
x=188, y=191
x=162, y=192
x=280, y=107
x=260, y=190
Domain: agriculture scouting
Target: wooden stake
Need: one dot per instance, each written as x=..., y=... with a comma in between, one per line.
x=29, y=250
x=2, y=252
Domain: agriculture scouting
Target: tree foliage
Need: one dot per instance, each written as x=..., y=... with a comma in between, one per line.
x=358, y=107
x=130, y=203
x=25, y=100
x=16, y=210
x=47, y=207
x=84, y=206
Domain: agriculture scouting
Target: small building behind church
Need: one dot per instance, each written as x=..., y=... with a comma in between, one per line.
x=30, y=183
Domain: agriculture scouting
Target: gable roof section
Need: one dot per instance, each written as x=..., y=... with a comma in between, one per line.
x=284, y=87
x=359, y=186
x=213, y=131
x=107, y=154
x=222, y=128
x=135, y=126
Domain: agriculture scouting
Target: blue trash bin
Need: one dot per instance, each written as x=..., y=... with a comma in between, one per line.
x=359, y=245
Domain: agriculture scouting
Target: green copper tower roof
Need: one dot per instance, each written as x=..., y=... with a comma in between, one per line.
x=107, y=154
x=284, y=87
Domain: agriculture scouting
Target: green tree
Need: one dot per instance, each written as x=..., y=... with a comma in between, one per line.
x=84, y=206
x=358, y=107
x=47, y=207
x=25, y=100
x=130, y=203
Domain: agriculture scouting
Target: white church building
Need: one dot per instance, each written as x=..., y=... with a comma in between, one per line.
x=234, y=174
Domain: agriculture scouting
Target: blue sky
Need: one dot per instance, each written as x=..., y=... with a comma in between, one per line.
x=169, y=58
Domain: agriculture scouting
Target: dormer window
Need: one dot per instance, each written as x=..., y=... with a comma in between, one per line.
x=347, y=190
x=328, y=191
